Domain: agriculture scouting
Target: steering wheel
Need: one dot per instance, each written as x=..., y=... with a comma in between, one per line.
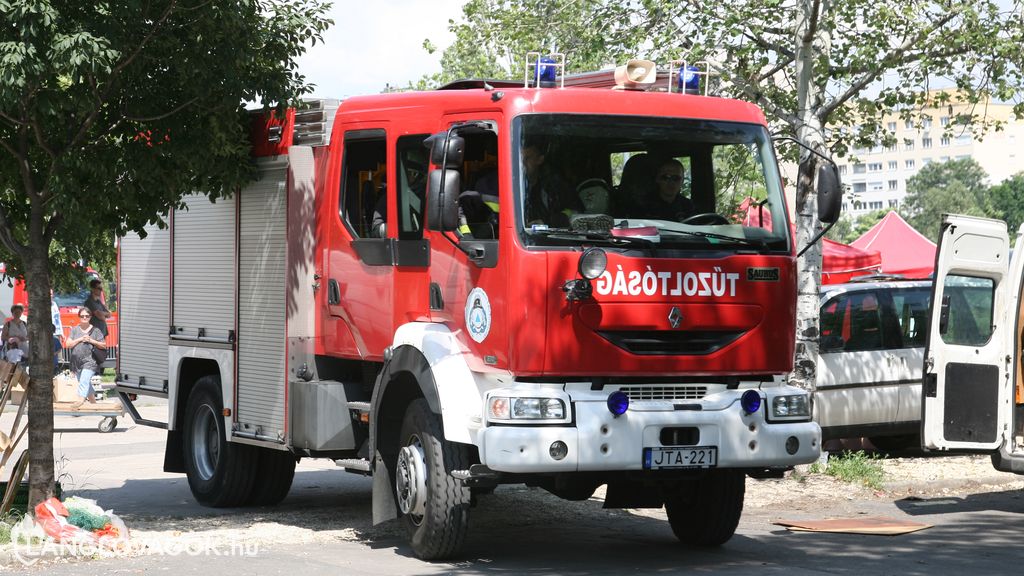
x=705, y=218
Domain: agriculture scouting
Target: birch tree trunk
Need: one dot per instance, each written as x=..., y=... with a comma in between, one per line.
x=813, y=44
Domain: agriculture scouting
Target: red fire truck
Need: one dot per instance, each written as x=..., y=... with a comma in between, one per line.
x=474, y=286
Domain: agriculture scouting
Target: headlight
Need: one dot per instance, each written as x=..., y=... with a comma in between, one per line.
x=794, y=406
x=504, y=408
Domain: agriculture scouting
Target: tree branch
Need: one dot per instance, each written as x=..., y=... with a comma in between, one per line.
x=160, y=116
x=896, y=55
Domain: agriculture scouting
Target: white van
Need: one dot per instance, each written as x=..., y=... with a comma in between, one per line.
x=973, y=390
x=871, y=349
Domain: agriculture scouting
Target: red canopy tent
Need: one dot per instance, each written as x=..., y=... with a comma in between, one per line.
x=839, y=262
x=905, y=251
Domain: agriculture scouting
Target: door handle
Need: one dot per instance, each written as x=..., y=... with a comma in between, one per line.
x=333, y=292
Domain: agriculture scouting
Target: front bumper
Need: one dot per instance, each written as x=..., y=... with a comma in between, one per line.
x=600, y=441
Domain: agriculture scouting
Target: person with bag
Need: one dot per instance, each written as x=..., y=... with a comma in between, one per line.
x=14, y=335
x=88, y=351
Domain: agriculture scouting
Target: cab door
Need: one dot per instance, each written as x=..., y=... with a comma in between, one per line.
x=965, y=382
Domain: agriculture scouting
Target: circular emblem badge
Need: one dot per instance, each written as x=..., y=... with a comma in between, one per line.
x=478, y=314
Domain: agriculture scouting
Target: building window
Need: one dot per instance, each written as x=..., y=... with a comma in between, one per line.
x=908, y=124
x=926, y=142
x=892, y=126
x=842, y=170
x=963, y=139
x=875, y=205
x=943, y=158
x=893, y=164
x=875, y=187
x=859, y=168
x=908, y=144
x=944, y=141
x=963, y=157
x=875, y=167
x=894, y=203
x=926, y=161
x=909, y=164
x=944, y=120
x=893, y=184
x=859, y=187
x=927, y=123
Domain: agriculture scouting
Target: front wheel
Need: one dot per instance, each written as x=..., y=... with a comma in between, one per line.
x=434, y=506
x=220, y=473
x=705, y=512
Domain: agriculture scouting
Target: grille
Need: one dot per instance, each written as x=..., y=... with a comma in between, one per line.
x=665, y=392
x=670, y=343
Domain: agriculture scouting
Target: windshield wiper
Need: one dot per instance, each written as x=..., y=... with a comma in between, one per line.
x=747, y=241
x=592, y=236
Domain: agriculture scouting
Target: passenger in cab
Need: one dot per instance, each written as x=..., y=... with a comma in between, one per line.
x=668, y=202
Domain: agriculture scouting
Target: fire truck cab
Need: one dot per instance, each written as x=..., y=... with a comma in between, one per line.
x=973, y=389
x=489, y=283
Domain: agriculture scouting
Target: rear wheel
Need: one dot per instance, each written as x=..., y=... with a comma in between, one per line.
x=434, y=506
x=275, y=470
x=706, y=512
x=220, y=473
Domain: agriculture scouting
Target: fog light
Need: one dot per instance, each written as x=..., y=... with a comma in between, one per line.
x=618, y=403
x=750, y=401
x=792, y=445
x=558, y=450
x=593, y=263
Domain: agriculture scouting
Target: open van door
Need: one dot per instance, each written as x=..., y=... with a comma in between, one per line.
x=965, y=383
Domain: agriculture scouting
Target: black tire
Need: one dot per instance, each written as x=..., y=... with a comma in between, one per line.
x=707, y=511
x=275, y=470
x=436, y=522
x=108, y=424
x=220, y=473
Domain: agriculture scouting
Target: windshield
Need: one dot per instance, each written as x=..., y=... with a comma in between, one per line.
x=666, y=182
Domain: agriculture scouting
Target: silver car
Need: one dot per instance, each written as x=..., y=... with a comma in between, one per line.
x=870, y=360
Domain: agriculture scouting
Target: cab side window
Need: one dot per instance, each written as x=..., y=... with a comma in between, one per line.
x=478, y=202
x=363, y=197
x=411, y=178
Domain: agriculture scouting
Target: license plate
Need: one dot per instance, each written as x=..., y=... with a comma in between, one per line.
x=694, y=457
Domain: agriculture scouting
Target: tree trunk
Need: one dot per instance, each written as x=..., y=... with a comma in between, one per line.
x=40, y=391
x=812, y=47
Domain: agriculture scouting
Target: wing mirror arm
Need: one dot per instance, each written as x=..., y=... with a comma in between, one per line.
x=829, y=188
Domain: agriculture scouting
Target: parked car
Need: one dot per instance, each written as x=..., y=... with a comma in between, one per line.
x=871, y=352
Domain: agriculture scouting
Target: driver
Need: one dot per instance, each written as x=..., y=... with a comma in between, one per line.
x=668, y=202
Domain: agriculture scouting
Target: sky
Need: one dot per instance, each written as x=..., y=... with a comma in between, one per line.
x=375, y=43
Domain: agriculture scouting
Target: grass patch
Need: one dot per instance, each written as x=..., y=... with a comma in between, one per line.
x=108, y=375
x=856, y=467
x=6, y=524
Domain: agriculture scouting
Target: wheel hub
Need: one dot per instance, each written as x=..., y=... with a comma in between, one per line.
x=411, y=479
x=205, y=443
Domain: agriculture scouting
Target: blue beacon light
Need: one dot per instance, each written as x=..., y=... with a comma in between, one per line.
x=750, y=401
x=618, y=403
x=689, y=79
x=546, y=71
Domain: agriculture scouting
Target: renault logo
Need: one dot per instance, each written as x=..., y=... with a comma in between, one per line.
x=675, y=317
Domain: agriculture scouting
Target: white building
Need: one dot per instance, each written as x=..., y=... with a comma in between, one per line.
x=877, y=177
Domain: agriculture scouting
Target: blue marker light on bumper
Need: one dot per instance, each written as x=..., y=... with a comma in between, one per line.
x=750, y=401
x=618, y=403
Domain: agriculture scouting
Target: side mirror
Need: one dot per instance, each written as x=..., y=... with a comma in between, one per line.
x=455, y=146
x=442, y=200
x=830, y=193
